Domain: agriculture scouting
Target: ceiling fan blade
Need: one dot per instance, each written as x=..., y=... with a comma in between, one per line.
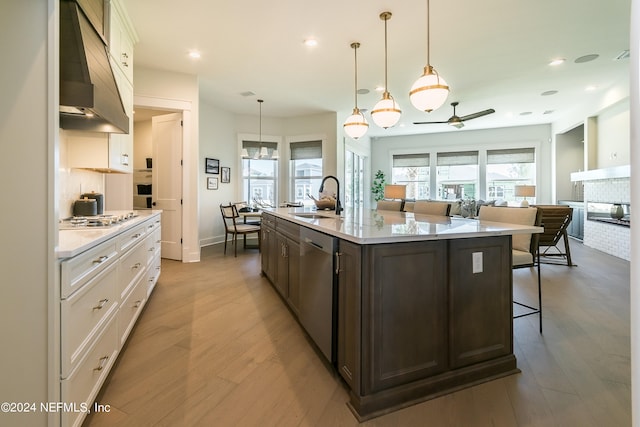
x=478, y=114
x=428, y=123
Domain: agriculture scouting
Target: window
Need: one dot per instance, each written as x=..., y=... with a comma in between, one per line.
x=457, y=175
x=259, y=172
x=508, y=168
x=413, y=171
x=305, y=170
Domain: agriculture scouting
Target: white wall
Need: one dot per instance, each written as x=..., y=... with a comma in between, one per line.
x=635, y=196
x=28, y=131
x=613, y=136
x=538, y=136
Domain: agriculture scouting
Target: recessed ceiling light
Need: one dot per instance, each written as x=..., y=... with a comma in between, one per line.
x=549, y=92
x=548, y=112
x=247, y=93
x=557, y=61
x=526, y=113
x=311, y=42
x=586, y=58
x=194, y=54
x=363, y=92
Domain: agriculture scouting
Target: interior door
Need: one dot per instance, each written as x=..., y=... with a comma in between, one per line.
x=166, y=186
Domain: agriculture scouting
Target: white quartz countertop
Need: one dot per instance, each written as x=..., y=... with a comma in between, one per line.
x=372, y=227
x=76, y=241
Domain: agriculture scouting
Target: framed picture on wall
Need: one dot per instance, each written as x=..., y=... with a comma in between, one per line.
x=225, y=174
x=212, y=183
x=212, y=166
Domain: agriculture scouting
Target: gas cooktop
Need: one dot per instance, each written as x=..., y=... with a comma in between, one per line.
x=97, y=221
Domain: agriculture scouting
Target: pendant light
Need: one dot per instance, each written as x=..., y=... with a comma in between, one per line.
x=430, y=91
x=264, y=153
x=356, y=125
x=386, y=112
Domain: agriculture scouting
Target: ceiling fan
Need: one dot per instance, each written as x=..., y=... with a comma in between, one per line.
x=458, y=121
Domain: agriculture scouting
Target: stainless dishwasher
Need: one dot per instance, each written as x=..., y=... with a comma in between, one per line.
x=317, y=308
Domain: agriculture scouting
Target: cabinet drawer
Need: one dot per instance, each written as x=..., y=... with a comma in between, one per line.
x=84, y=314
x=288, y=228
x=78, y=270
x=268, y=220
x=153, y=273
x=153, y=244
x=85, y=381
x=130, y=237
x=130, y=309
x=132, y=266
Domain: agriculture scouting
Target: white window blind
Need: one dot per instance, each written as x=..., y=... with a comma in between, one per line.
x=410, y=160
x=457, y=158
x=507, y=156
x=253, y=147
x=306, y=150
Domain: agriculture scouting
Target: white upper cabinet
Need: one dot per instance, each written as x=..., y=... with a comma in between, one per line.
x=121, y=40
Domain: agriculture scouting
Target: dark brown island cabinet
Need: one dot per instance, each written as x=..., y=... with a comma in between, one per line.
x=411, y=320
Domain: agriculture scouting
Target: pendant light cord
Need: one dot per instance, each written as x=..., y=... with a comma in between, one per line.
x=260, y=101
x=428, y=34
x=355, y=59
x=386, y=87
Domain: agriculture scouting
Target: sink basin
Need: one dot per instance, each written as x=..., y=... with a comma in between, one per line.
x=309, y=215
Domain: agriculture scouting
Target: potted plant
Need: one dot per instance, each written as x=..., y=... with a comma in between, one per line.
x=377, y=189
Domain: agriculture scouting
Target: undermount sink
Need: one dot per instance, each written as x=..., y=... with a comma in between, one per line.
x=309, y=215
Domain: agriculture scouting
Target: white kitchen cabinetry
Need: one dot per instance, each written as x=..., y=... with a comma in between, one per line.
x=110, y=152
x=121, y=40
x=102, y=293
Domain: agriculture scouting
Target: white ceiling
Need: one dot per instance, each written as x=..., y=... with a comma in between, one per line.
x=493, y=54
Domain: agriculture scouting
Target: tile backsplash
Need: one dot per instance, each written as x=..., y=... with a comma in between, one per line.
x=74, y=182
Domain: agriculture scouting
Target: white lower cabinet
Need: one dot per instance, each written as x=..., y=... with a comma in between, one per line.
x=103, y=292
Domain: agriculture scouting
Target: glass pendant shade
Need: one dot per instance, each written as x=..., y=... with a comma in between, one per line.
x=356, y=125
x=429, y=92
x=264, y=152
x=386, y=112
x=275, y=155
x=245, y=153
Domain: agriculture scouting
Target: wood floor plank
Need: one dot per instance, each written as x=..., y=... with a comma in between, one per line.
x=216, y=346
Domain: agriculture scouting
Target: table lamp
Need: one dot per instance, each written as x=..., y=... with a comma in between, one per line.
x=525, y=191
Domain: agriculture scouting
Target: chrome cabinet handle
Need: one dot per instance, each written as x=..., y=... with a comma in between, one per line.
x=137, y=304
x=101, y=304
x=103, y=362
x=338, y=255
x=101, y=259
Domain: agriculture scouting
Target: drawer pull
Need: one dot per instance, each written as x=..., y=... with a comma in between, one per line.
x=135, y=266
x=135, y=236
x=103, y=362
x=151, y=249
x=101, y=304
x=150, y=226
x=101, y=259
x=137, y=304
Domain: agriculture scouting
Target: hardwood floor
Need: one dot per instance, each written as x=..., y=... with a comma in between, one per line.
x=216, y=346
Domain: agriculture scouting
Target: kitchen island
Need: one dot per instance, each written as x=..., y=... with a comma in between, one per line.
x=419, y=305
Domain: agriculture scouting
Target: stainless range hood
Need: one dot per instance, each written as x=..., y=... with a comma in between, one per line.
x=89, y=97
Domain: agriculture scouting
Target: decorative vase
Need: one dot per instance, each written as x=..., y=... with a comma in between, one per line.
x=617, y=211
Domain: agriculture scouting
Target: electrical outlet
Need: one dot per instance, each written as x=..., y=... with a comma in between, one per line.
x=477, y=262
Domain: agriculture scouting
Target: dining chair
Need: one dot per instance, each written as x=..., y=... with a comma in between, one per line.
x=389, y=205
x=525, y=251
x=431, y=208
x=230, y=218
x=555, y=220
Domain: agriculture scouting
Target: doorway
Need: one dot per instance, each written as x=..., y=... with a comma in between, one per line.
x=158, y=162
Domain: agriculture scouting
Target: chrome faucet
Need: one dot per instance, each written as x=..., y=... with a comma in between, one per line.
x=338, y=205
